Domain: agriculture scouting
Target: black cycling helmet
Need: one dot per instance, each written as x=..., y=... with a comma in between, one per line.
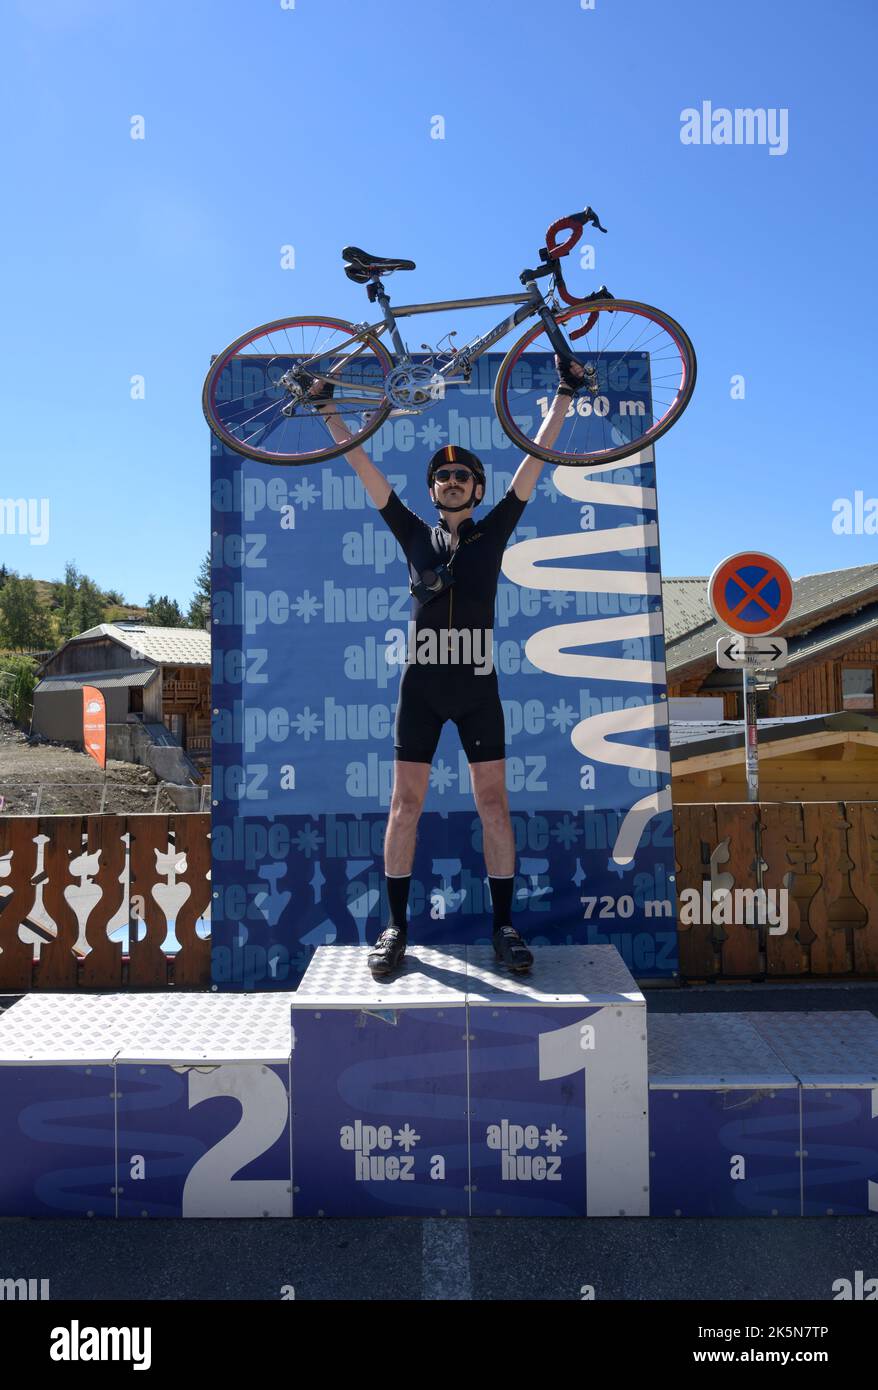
x=454, y=453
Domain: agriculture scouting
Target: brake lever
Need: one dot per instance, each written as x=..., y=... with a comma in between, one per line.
x=591, y=216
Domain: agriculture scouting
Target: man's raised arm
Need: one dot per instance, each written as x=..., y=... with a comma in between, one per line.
x=528, y=472
x=373, y=480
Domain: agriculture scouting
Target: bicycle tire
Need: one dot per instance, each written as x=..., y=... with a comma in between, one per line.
x=604, y=456
x=222, y=360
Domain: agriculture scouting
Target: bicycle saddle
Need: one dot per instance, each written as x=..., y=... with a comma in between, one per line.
x=363, y=266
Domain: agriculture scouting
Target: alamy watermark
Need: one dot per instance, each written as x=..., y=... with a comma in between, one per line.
x=743, y=125
x=855, y=1290
x=451, y=646
x=727, y=907
x=23, y=1290
x=76, y=1343
x=855, y=516
x=25, y=516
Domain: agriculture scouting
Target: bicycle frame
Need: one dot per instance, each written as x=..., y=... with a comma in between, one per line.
x=530, y=301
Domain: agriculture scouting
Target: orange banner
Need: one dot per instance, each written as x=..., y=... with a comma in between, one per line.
x=94, y=724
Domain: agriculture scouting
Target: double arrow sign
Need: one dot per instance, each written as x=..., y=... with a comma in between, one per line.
x=752, y=653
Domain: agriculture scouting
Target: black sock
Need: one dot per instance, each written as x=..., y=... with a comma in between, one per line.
x=501, y=897
x=398, y=896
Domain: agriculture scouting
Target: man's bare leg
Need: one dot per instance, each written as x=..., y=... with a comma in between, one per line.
x=492, y=803
x=410, y=782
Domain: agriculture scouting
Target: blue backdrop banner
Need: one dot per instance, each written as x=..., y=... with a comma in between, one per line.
x=310, y=608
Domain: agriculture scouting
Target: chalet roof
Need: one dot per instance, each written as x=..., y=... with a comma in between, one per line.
x=820, y=639
x=691, y=631
x=695, y=738
x=166, y=646
x=103, y=680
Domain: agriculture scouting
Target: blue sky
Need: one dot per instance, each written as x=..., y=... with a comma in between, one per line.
x=310, y=126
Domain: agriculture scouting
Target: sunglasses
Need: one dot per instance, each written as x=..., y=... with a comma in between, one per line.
x=460, y=475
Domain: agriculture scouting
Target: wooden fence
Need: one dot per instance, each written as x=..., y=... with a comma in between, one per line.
x=86, y=901
x=126, y=878
x=824, y=853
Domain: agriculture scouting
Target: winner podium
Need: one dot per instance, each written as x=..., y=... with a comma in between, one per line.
x=449, y=1089
x=455, y=1088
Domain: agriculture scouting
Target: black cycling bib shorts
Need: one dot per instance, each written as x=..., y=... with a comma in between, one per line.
x=430, y=694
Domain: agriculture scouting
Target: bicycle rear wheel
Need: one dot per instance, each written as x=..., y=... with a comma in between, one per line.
x=642, y=366
x=255, y=396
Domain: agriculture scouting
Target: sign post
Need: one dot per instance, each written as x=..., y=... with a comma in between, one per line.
x=751, y=593
x=751, y=744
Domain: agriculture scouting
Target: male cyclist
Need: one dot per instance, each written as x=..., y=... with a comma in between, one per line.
x=454, y=568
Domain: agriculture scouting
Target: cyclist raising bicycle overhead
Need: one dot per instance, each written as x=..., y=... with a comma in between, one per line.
x=454, y=567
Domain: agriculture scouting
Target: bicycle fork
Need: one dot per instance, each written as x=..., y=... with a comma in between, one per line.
x=564, y=351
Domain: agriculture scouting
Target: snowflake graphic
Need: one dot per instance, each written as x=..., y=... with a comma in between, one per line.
x=566, y=832
x=431, y=435
x=441, y=776
x=308, y=841
x=549, y=490
x=557, y=601
x=547, y=376
x=406, y=1137
x=307, y=723
x=304, y=494
x=553, y=1138
x=306, y=605
x=563, y=716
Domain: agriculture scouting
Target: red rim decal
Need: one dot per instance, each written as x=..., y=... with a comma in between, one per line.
x=653, y=430
x=380, y=352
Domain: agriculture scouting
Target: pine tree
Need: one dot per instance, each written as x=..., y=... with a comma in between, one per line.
x=199, y=608
x=163, y=612
x=64, y=593
x=89, y=604
x=24, y=623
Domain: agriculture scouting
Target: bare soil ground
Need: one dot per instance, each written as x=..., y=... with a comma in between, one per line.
x=72, y=783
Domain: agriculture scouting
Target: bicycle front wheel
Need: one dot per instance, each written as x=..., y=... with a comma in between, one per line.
x=255, y=396
x=640, y=369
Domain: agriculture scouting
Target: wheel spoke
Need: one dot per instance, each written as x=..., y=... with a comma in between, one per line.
x=257, y=394
x=644, y=373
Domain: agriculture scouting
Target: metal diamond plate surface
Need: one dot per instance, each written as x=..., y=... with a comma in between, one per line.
x=690, y=1051
x=213, y=1028
x=338, y=978
x=45, y=1028
x=823, y=1049
x=181, y=1028
x=560, y=975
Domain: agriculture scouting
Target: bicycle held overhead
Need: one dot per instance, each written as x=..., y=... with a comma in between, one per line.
x=638, y=368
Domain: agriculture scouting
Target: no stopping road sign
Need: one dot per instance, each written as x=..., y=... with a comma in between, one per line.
x=751, y=593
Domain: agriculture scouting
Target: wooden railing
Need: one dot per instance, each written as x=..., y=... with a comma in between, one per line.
x=824, y=853
x=181, y=690
x=73, y=918
x=101, y=920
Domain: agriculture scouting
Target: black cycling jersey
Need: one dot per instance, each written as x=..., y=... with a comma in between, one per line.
x=428, y=695
x=475, y=564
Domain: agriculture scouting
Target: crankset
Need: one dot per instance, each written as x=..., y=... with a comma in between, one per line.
x=413, y=387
